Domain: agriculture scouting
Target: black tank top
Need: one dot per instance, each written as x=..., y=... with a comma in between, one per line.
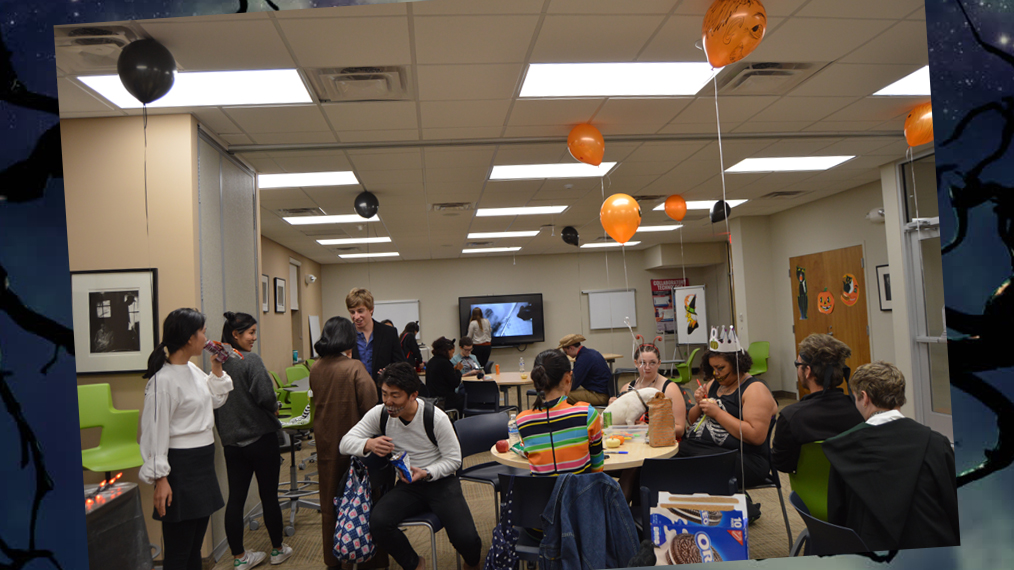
x=711, y=432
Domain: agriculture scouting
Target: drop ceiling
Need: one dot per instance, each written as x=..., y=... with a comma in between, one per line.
x=465, y=62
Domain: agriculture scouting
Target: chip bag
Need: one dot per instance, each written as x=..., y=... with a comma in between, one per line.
x=400, y=461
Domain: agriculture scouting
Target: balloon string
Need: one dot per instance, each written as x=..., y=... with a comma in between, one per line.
x=626, y=282
x=911, y=167
x=147, y=230
x=369, y=277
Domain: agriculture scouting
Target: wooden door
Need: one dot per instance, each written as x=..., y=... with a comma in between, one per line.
x=826, y=276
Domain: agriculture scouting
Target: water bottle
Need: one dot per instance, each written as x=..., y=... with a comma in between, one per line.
x=513, y=435
x=521, y=364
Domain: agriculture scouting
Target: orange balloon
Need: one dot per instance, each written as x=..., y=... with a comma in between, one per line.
x=621, y=216
x=919, y=125
x=586, y=144
x=732, y=29
x=675, y=207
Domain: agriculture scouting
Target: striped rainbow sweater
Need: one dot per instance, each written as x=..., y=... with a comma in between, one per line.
x=568, y=441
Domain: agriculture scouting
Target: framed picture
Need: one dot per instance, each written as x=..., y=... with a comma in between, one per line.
x=115, y=319
x=279, y=295
x=884, y=285
x=265, y=294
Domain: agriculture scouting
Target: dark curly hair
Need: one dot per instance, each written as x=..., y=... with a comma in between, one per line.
x=740, y=360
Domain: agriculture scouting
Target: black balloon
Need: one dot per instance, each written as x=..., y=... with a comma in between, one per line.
x=367, y=204
x=719, y=211
x=146, y=70
x=570, y=235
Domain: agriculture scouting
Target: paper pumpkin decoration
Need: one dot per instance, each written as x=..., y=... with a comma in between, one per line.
x=850, y=290
x=732, y=29
x=825, y=301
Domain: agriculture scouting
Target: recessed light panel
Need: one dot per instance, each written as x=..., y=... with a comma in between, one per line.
x=498, y=235
x=610, y=244
x=645, y=79
x=491, y=250
x=353, y=241
x=306, y=179
x=913, y=85
x=523, y=211
x=702, y=204
x=542, y=171
x=363, y=255
x=212, y=88
x=788, y=164
x=344, y=219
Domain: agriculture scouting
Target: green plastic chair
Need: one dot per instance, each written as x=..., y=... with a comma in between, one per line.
x=295, y=374
x=810, y=479
x=118, y=449
x=278, y=382
x=299, y=401
x=758, y=351
x=684, y=368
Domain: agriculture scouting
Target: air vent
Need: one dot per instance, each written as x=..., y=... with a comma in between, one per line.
x=91, y=49
x=765, y=78
x=479, y=244
x=343, y=84
x=788, y=194
x=319, y=233
x=346, y=248
x=293, y=212
x=450, y=206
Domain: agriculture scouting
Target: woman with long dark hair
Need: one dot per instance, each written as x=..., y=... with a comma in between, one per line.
x=177, y=441
x=410, y=346
x=443, y=377
x=480, y=331
x=248, y=427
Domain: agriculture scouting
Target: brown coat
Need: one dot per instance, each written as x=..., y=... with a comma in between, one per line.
x=342, y=394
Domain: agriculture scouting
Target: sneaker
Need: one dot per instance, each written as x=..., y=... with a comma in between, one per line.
x=249, y=560
x=279, y=555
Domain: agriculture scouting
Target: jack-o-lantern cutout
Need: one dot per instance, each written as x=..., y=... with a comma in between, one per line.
x=825, y=301
x=849, y=290
x=732, y=29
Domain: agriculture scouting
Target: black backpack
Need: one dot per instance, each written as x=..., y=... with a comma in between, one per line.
x=382, y=473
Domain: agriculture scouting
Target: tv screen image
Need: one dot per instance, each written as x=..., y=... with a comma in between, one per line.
x=514, y=319
x=508, y=319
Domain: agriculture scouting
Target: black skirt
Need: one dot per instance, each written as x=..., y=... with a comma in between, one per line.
x=194, y=485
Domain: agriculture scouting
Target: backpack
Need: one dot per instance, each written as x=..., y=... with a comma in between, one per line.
x=502, y=554
x=352, y=539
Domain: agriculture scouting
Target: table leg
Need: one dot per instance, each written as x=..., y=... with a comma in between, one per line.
x=519, y=398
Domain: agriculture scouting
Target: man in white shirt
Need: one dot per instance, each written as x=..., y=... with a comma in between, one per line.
x=434, y=485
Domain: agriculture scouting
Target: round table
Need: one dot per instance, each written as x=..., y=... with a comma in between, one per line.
x=637, y=452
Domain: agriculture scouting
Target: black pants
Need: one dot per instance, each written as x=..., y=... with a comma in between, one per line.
x=444, y=498
x=260, y=458
x=183, y=543
x=482, y=352
x=756, y=465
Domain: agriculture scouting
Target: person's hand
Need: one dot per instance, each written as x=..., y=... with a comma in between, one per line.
x=417, y=475
x=700, y=393
x=710, y=407
x=459, y=365
x=611, y=400
x=216, y=367
x=163, y=495
x=380, y=446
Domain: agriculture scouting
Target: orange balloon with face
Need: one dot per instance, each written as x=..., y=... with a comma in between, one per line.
x=732, y=29
x=919, y=125
x=620, y=216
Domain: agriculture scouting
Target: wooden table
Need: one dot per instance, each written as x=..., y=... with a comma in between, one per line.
x=637, y=452
x=504, y=380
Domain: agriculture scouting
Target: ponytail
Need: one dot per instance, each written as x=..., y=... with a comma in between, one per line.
x=156, y=360
x=550, y=368
x=179, y=326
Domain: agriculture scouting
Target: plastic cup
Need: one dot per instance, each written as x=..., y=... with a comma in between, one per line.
x=497, y=366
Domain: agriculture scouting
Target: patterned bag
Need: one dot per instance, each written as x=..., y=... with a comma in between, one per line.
x=352, y=540
x=661, y=423
x=501, y=555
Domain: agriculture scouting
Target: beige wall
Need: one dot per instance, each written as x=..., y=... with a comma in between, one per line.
x=104, y=181
x=277, y=330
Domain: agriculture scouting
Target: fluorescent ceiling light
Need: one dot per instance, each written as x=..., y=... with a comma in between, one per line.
x=664, y=79
x=524, y=211
x=788, y=164
x=658, y=228
x=914, y=84
x=345, y=219
x=353, y=241
x=610, y=244
x=490, y=250
x=362, y=255
x=539, y=171
x=212, y=88
x=304, y=179
x=702, y=204
x=497, y=235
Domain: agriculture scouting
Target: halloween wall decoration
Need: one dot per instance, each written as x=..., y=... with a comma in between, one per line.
x=802, y=298
x=825, y=301
x=850, y=290
x=690, y=305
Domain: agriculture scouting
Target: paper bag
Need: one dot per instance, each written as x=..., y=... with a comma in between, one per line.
x=661, y=423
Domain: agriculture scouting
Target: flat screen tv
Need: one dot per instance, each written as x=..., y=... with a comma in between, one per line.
x=515, y=319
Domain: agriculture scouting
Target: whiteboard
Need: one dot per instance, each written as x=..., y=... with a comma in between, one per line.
x=314, y=334
x=400, y=312
x=608, y=309
x=680, y=296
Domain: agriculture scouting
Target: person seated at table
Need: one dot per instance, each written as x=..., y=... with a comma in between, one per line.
x=591, y=373
x=825, y=412
x=410, y=346
x=732, y=405
x=559, y=437
x=442, y=377
x=892, y=478
x=434, y=485
x=469, y=363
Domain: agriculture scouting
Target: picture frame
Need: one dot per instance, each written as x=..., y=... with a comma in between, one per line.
x=279, y=295
x=115, y=316
x=265, y=294
x=884, y=287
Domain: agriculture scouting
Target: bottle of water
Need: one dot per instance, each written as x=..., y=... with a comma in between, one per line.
x=521, y=364
x=513, y=435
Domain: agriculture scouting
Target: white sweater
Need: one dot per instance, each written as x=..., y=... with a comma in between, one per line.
x=479, y=335
x=178, y=403
x=438, y=461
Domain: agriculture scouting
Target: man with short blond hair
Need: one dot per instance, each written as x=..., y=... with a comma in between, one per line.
x=376, y=346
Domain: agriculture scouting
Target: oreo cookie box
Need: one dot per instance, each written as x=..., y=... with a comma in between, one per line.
x=695, y=529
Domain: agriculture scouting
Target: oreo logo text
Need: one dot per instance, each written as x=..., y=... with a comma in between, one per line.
x=704, y=545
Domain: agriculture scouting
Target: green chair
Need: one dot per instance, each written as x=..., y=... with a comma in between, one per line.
x=684, y=368
x=280, y=393
x=295, y=374
x=292, y=492
x=274, y=376
x=309, y=363
x=758, y=351
x=118, y=448
x=810, y=479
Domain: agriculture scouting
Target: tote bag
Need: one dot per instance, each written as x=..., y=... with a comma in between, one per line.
x=352, y=539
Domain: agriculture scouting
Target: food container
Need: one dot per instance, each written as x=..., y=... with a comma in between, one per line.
x=634, y=433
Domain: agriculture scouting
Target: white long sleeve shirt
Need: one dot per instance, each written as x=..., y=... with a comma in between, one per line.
x=479, y=334
x=178, y=404
x=439, y=460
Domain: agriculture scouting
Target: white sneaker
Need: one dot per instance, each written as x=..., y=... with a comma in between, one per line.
x=249, y=560
x=279, y=555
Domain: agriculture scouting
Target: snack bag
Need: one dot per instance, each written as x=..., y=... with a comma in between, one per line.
x=519, y=448
x=219, y=352
x=661, y=423
x=400, y=461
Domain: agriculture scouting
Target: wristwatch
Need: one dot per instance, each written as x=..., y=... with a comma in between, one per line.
x=429, y=476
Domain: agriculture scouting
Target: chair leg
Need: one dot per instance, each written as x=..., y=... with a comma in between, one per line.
x=800, y=543
x=433, y=547
x=785, y=515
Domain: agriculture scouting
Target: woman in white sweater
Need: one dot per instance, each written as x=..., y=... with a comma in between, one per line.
x=177, y=441
x=480, y=331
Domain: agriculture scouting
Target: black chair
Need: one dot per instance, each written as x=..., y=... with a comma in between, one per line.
x=488, y=369
x=476, y=435
x=616, y=376
x=710, y=474
x=823, y=538
x=430, y=521
x=483, y=398
x=772, y=480
x=531, y=495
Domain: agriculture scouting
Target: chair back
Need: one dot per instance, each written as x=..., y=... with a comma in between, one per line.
x=809, y=481
x=686, y=368
x=484, y=394
x=531, y=495
x=296, y=373
x=758, y=352
x=476, y=434
x=274, y=376
x=95, y=409
x=826, y=539
x=488, y=369
x=711, y=474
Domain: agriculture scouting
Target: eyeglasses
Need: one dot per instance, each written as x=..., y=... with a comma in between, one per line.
x=798, y=364
x=648, y=363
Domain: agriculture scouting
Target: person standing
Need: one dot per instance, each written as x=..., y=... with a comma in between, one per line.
x=248, y=426
x=591, y=373
x=443, y=377
x=376, y=346
x=480, y=331
x=177, y=438
x=409, y=345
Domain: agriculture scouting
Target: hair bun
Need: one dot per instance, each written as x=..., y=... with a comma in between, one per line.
x=229, y=315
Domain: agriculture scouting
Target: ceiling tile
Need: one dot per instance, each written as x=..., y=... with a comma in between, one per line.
x=214, y=119
x=627, y=169
x=446, y=114
x=451, y=7
x=905, y=42
x=396, y=159
x=611, y=7
x=834, y=126
x=464, y=82
x=919, y=14
x=528, y=112
x=377, y=178
x=674, y=152
x=533, y=154
x=699, y=128
x=374, y=136
x=490, y=39
x=263, y=164
x=338, y=42
x=593, y=38
x=857, y=147
x=791, y=147
x=842, y=79
x=619, y=151
x=772, y=127
x=732, y=109
x=79, y=99
x=200, y=45
x=802, y=108
x=896, y=148
x=650, y=114
x=859, y=8
x=677, y=39
x=472, y=175
x=469, y=157
x=298, y=163
x=293, y=138
x=358, y=11
x=288, y=119
x=236, y=139
x=825, y=39
x=461, y=133
x=371, y=115
x=538, y=131
x=334, y=198
x=284, y=195
x=877, y=108
x=776, y=8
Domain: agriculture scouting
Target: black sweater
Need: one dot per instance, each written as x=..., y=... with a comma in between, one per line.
x=818, y=416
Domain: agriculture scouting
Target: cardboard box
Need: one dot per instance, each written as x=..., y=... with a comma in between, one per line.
x=693, y=529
